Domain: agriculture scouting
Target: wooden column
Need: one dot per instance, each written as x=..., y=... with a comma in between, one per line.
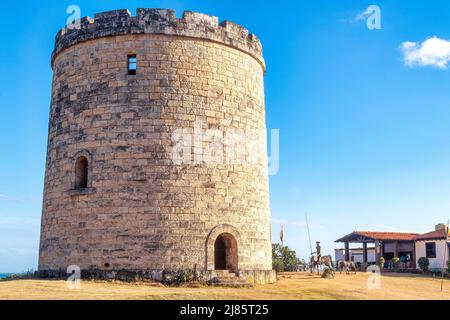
x=396, y=249
x=365, y=260
x=378, y=253
x=347, y=251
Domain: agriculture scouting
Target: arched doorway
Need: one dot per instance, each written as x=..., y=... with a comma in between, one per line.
x=225, y=253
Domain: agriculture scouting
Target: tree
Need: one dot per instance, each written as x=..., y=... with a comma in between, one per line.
x=277, y=260
x=381, y=262
x=290, y=259
x=424, y=263
x=284, y=259
x=395, y=263
x=278, y=264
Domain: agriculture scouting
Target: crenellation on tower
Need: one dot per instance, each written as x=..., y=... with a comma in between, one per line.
x=197, y=19
x=152, y=19
x=160, y=21
x=112, y=16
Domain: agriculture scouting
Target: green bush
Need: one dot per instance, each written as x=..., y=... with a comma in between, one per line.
x=395, y=263
x=448, y=266
x=283, y=258
x=381, y=262
x=424, y=263
x=277, y=264
x=176, y=278
x=327, y=273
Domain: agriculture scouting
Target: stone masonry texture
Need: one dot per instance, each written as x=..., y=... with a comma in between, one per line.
x=140, y=210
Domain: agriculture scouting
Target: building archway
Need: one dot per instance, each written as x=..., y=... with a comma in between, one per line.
x=225, y=253
x=222, y=246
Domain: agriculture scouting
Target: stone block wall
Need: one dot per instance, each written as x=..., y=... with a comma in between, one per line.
x=140, y=210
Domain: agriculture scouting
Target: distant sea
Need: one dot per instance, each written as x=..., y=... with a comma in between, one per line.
x=4, y=275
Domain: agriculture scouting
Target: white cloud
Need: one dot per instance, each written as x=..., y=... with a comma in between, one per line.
x=433, y=52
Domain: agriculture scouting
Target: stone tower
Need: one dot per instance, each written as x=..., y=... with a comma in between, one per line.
x=141, y=174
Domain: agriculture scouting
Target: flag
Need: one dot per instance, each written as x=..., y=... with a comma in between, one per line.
x=282, y=235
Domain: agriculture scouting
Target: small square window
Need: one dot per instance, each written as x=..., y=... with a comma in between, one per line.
x=430, y=249
x=132, y=64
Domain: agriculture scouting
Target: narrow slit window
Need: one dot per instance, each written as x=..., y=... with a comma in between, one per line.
x=132, y=64
x=81, y=173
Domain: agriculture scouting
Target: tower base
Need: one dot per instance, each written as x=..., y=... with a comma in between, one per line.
x=242, y=277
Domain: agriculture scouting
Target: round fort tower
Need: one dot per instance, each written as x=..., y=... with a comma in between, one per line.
x=157, y=159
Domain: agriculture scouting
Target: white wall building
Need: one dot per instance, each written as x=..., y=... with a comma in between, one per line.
x=409, y=247
x=356, y=255
x=434, y=246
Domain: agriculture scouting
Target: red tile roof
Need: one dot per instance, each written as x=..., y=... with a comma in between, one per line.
x=393, y=236
x=356, y=236
x=401, y=236
x=433, y=235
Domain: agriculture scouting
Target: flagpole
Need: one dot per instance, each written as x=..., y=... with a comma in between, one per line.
x=309, y=235
x=282, y=236
x=446, y=247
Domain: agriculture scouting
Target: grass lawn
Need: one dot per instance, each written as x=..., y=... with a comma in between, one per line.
x=299, y=286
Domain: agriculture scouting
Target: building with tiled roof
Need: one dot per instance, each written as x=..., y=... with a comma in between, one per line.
x=438, y=234
x=375, y=235
x=409, y=247
x=435, y=246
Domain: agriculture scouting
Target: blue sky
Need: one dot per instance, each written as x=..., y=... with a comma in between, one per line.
x=364, y=125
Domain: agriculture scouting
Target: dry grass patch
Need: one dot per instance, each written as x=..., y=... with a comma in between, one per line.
x=297, y=286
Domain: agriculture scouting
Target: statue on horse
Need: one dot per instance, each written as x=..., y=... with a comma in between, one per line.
x=318, y=260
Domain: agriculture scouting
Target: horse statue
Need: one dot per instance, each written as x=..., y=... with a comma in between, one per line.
x=317, y=261
x=346, y=265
